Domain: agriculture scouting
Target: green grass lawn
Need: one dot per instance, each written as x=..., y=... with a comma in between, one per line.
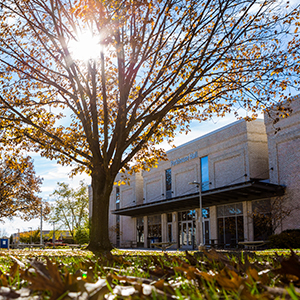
x=78, y=274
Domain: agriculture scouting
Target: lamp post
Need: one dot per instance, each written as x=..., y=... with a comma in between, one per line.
x=200, y=216
x=30, y=234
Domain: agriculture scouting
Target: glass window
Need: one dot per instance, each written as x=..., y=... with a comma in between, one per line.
x=229, y=210
x=187, y=215
x=205, y=213
x=204, y=173
x=187, y=228
x=117, y=194
x=170, y=236
x=140, y=230
x=154, y=227
x=262, y=219
x=220, y=211
x=190, y=215
x=168, y=184
x=230, y=224
x=239, y=209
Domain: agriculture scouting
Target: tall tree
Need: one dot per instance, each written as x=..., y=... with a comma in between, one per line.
x=19, y=187
x=159, y=65
x=71, y=208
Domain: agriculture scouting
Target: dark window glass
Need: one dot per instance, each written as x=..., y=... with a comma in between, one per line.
x=169, y=218
x=179, y=216
x=168, y=184
x=229, y=210
x=230, y=230
x=262, y=219
x=140, y=231
x=220, y=211
x=190, y=215
x=118, y=234
x=170, y=238
x=220, y=230
x=239, y=209
x=240, y=228
x=230, y=224
x=154, y=227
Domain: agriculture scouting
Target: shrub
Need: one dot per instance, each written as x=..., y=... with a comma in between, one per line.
x=286, y=239
x=82, y=236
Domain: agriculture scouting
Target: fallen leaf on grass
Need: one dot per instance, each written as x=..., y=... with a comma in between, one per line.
x=290, y=268
x=22, y=265
x=229, y=280
x=48, y=279
x=165, y=287
x=192, y=260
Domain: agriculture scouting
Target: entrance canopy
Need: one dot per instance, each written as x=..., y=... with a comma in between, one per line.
x=245, y=191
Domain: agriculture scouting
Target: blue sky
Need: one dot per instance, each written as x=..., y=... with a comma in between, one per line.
x=51, y=172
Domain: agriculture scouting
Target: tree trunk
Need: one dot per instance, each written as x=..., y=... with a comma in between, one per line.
x=99, y=235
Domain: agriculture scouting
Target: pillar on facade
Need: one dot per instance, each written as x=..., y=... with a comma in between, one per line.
x=248, y=221
x=145, y=232
x=134, y=230
x=175, y=235
x=213, y=223
x=164, y=228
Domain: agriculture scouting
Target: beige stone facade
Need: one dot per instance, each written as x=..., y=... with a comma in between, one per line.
x=243, y=168
x=284, y=161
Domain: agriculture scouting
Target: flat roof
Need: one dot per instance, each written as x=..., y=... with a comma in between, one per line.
x=212, y=133
x=244, y=191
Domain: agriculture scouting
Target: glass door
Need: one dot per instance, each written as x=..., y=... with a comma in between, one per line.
x=206, y=233
x=186, y=232
x=187, y=229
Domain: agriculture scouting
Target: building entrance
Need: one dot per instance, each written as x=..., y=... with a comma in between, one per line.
x=187, y=235
x=187, y=229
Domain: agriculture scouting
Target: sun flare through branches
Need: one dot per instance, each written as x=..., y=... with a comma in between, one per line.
x=86, y=46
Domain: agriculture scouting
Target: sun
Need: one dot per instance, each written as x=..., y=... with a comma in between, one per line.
x=85, y=47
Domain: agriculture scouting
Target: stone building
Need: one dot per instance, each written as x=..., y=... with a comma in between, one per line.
x=284, y=162
x=242, y=169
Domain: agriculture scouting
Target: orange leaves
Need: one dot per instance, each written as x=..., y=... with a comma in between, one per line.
x=18, y=188
x=134, y=276
x=48, y=278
